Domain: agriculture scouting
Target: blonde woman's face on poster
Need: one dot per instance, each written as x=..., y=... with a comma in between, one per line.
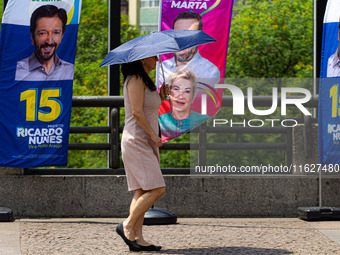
x=180, y=95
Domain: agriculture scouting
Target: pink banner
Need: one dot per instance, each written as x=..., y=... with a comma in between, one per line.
x=193, y=73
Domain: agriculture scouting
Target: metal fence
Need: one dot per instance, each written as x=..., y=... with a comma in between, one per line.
x=113, y=146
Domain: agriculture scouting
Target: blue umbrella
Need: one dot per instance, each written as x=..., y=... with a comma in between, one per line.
x=156, y=43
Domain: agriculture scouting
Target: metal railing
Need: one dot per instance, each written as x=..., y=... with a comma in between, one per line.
x=113, y=146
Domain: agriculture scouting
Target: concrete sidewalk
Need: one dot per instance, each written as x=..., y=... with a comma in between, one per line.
x=189, y=236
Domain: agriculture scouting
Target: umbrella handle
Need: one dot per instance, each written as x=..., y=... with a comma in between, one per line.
x=160, y=60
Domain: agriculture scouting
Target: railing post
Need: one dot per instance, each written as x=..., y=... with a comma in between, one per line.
x=307, y=142
x=202, y=145
x=289, y=146
x=114, y=138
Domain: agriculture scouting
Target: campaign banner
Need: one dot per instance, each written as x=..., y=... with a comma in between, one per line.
x=193, y=73
x=329, y=91
x=37, y=54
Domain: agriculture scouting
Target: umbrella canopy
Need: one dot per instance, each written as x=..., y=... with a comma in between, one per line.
x=156, y=43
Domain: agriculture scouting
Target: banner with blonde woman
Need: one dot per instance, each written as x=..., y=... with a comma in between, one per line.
x=193, y=73
x=37, y=53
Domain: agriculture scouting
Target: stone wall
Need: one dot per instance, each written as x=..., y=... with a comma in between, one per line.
x=186, y=196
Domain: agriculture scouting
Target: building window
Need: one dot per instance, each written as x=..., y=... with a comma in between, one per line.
x=149, y=3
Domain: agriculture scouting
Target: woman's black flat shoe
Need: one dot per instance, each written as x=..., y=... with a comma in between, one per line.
x=150, y=248
x=133, y=245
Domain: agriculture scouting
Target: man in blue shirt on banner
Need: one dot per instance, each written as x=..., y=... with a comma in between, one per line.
x=191, y=57
x=47, y=27
x=333, y=67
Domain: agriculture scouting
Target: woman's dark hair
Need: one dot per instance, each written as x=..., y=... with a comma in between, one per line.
x=136, y=68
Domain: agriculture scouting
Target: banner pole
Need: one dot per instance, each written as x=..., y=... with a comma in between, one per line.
x=113, y=70
x=114, y=41
x=314, y=44
x=6, y=214
x=315, y=36
x=4, y=5
x=319, y=11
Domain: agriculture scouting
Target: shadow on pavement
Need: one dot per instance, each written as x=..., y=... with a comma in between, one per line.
x=225, y=250
x=240, y=227
x=68, y=221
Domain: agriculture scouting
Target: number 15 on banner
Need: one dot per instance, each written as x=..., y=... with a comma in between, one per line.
x=48, y=99
x=334, y=95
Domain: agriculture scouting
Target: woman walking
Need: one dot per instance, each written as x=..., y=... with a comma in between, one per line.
x=140, y=153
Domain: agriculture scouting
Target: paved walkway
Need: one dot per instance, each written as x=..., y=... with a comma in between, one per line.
x=189, y=236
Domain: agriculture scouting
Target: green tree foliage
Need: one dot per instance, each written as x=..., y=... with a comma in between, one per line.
x=271, y=39
x=90, y=80
x=176, y=159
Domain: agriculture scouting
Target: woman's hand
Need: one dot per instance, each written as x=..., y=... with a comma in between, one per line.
x=157, y=140
x=164, y=91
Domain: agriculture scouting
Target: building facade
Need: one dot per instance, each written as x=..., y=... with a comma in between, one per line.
x=144, y=13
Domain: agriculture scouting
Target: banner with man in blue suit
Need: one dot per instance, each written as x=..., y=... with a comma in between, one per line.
x=329, y=90
x=37, y=54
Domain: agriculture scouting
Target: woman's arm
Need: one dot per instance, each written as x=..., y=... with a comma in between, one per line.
x=135, y=88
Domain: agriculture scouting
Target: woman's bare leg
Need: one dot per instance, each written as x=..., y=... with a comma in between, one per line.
x=139, y=225
x=137, y=194
x=139, y=233
x=139, y=206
